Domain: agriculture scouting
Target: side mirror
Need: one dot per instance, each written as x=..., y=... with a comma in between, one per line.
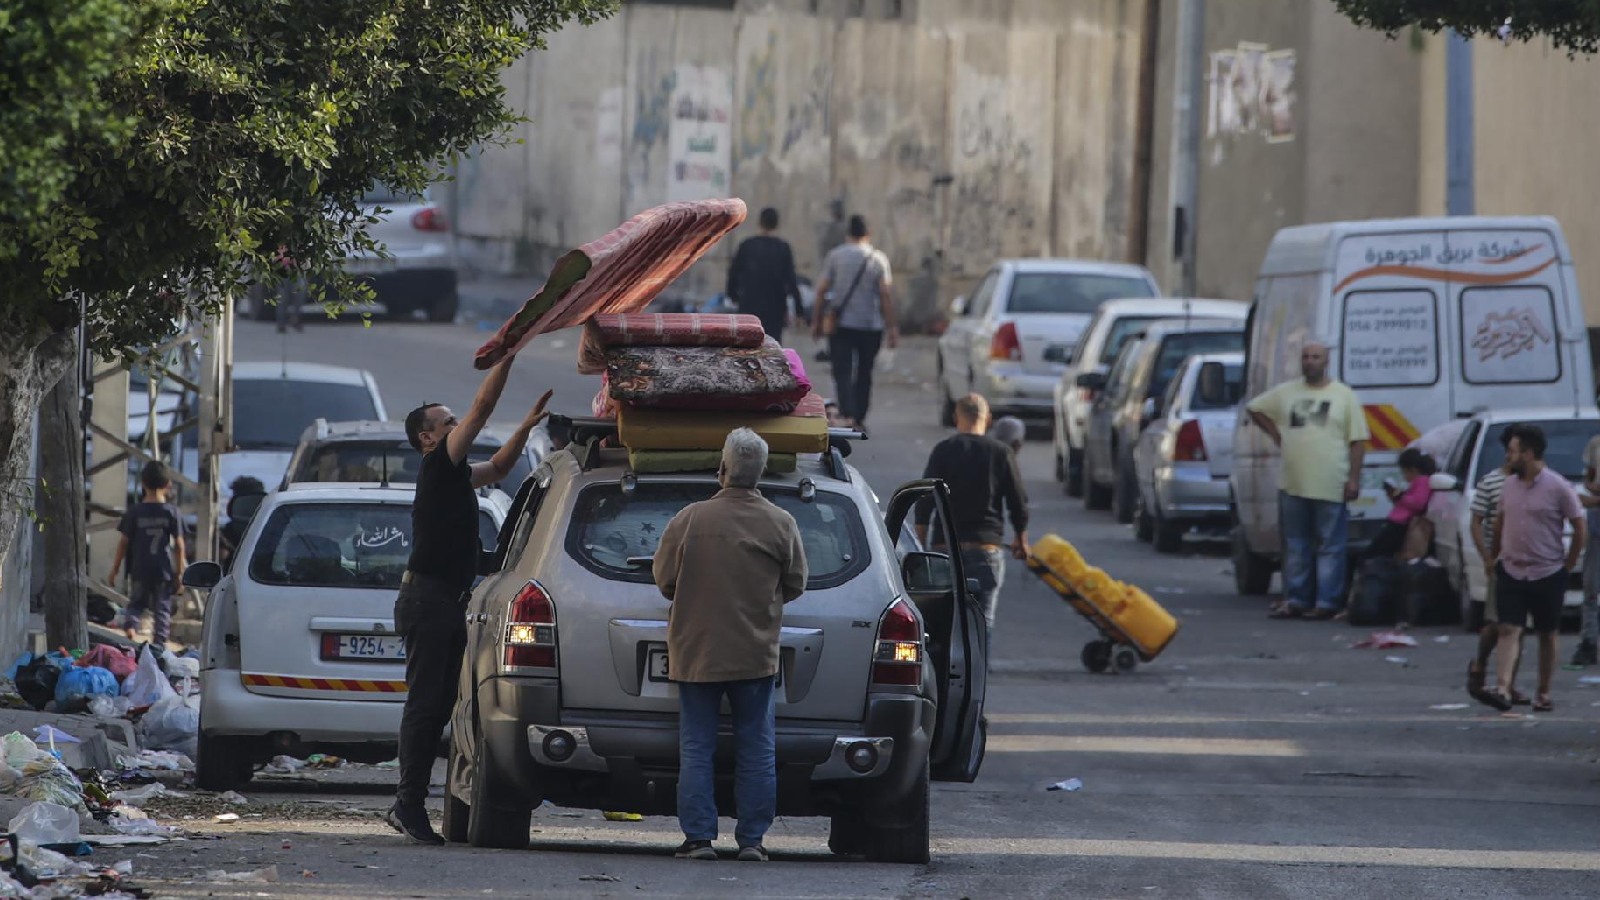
x=1094, y=381
x=927, y=573
x=1439, y=481
x=202, y=575
x=958, y=306
x=1213, y=384
x=244, y=506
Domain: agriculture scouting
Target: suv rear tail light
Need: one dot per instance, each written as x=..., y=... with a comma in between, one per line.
x=531, y=629
x=1191, y=444
x=1005, y=343
x=898, y=658
x=430, y=218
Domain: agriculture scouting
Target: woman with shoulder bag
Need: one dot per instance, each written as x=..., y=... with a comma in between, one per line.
x=856, y=319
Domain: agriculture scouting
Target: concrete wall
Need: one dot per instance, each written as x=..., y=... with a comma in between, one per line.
x=963, y=131
x=1537, y=122
x=1304, y=118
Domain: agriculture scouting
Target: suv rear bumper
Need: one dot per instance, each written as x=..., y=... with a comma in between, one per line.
x=631, y=761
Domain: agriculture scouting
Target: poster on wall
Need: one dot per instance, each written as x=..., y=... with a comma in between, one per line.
x=1391, y=339
x=700, y=134
x=1510, y=333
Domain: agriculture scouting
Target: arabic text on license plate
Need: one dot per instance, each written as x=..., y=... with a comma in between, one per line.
x=371, y=646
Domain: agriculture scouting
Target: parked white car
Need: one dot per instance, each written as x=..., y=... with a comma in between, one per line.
x=274, y=403
x=1011, y=341
x=1183, y=459
x=1115, y=323
x=1474, y=453
x=298, y=653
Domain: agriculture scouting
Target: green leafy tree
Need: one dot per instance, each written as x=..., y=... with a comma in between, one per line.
x=156, y=154
x=1573, y=25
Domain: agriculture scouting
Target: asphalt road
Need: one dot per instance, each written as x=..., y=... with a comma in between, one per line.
x=1253, y=759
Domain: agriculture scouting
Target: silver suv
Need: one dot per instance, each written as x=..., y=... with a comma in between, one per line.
x=564, y=693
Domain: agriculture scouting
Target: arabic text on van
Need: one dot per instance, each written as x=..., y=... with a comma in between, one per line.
x=1486, y=251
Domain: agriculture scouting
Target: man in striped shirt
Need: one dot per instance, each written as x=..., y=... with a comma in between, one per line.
x=1485, y=507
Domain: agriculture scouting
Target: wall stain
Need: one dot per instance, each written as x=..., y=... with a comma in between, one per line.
x=758, y=110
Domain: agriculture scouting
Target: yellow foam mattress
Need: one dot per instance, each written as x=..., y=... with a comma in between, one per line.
x=675, y=429
x=655, y=462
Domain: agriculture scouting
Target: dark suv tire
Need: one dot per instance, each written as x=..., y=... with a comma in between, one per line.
x=906, y=844
x=224, y=762
x=489, y=822
x=457, y=814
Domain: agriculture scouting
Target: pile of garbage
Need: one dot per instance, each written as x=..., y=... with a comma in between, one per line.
x=158, y=692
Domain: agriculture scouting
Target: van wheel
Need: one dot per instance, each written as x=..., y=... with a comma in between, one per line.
x=907, y=844
x=1252, y=575
x=457, y=814
x=224, y=762
x=491, y=821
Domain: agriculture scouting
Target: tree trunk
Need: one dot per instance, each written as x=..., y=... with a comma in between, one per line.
x=30, y=363
x=61, y=507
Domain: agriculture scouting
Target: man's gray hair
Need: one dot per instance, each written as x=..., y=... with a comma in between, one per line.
x=744, y=458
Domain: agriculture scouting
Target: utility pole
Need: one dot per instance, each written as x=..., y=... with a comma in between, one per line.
x=1188, y=81
x=1459, y=196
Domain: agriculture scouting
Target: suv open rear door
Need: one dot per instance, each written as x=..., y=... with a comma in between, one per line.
x=957, y=637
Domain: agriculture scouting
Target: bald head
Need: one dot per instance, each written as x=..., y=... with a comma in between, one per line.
x=972, y=414
x=1314, y=361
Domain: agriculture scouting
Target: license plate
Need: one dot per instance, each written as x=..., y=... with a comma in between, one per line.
x=658, y=667
x=369, y=646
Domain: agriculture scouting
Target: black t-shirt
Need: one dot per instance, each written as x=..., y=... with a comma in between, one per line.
x=762, y=276
x=444, y=521
x=982, y=475
x=151, y=529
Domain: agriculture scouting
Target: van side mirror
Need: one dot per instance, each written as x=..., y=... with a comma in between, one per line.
x=1440, y=481
x=958, y=306
x=925, y=572
x=202, y=575
x=1094, y=381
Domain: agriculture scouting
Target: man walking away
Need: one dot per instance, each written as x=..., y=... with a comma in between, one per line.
x=1322, y=431
x=1535, y=505
x=762, y=277
x=1485, y=508
x=728, y=565
x=429, y=614
x=984, y=485
x=1588, y=654
x=856, y=288
x=152, y=544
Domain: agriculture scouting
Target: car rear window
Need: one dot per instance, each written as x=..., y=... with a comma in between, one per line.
x=1070, y=292
x=333, y=545
x=1176, y=348
x=272, y=413
x=1123, y=330
x=373, y=462
x=1232, y=388
x=609, y=527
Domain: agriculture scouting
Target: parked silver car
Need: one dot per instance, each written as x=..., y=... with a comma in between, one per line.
x=1184, y=457
x=1011, y=341
x=1115, y=323
x=565, y=696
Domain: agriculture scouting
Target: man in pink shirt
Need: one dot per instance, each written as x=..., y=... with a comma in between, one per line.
x=1533, y=563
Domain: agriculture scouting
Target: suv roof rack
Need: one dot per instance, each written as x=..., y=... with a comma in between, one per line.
x=584, y=435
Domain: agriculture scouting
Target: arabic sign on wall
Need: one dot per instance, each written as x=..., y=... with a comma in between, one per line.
x=700, y=134
x=1510, y=334
x=1391, y=338
x=1251, y=91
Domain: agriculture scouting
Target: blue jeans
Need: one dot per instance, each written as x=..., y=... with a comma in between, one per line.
x=988, y=567
x=1315, y=538
x=755, y=762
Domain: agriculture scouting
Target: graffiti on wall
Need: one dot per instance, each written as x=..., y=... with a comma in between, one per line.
x=1251, y=92
x=758, y=110
x=700, y=133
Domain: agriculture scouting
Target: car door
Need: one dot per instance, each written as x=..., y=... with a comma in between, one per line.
x=955, y=345
x=1102, y=416
x=957, y=643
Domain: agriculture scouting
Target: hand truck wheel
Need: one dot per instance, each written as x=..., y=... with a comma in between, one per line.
x=1126, y=660
x=1097, y=656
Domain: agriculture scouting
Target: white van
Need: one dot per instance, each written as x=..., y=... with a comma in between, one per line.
x=1430, y=319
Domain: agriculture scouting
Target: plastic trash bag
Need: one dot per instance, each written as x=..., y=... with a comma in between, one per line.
x=148, y=684
x=79, y=683
x=113, y=659
x=46, y=823
x=173, y=723
x=36, y=682
x=110, y=707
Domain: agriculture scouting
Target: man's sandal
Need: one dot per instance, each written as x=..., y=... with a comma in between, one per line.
x=1542, y=703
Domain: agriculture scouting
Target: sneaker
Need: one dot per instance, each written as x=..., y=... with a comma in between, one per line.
x=412, y=821
x=696, y=850
x=756, y=853
x=1587, y=655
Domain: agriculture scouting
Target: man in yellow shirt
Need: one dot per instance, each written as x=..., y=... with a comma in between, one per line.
x=1321, y=429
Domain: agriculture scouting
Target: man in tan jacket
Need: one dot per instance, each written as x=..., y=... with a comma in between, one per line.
x=728, y=565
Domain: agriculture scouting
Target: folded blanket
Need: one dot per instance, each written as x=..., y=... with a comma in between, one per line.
x=750, y=379
x=607, y=332
x=620, y=272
